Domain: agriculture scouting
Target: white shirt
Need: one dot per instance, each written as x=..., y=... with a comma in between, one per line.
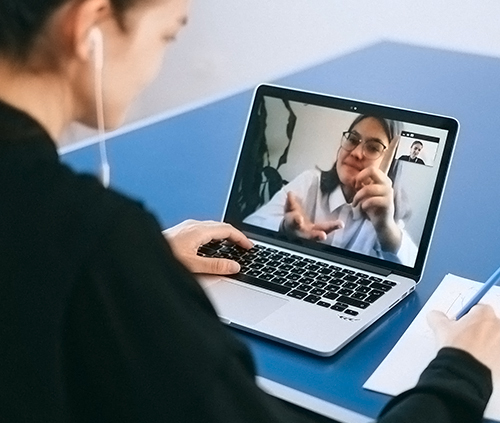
x=358, y=233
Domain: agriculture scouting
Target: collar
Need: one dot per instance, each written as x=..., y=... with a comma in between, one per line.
x=337, y=200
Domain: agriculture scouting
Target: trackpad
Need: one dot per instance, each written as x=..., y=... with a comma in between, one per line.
x=242, y=305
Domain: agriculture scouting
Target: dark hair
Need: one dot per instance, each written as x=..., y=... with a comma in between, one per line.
x=417, y=142
x=22, y=21
x=329, y=180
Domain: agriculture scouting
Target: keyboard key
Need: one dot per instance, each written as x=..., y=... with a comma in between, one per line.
x=351, y=278
x=267, y=276
x=371, y=299
x=279, y=279
x=323, y=304
x=306, y=280
x=297, y=294
x=363, y=289
x=344, y=291
x=317, y=291
x=285, y=267
x=289, y=260
x=263, y=260
x=313, y=267
x=323, y=278
x=331, y=296
x=332, y=288
x=304, y=287
x=377, y=293
x=351, y=312
x=339, y=307
x=312, y=299
x=381, y=286
x=350, y=285
x=206, y=250
x=353, y=302
x=262, y=283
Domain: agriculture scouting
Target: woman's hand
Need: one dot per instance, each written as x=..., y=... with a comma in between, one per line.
x=186, y=237
x=375, y=197
x=297, y=223
x=478, y=333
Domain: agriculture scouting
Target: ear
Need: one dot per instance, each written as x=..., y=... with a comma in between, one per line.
x=81, y=18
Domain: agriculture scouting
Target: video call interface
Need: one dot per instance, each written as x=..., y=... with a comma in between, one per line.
x=297, y=178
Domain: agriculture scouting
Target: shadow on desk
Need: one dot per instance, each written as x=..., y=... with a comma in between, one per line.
x=314, y=417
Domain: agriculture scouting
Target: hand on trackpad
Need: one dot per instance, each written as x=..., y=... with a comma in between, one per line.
x=243, y=305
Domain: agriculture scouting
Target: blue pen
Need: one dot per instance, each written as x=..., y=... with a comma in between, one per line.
x=492, y=280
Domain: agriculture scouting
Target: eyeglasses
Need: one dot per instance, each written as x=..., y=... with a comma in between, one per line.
x=372, y=149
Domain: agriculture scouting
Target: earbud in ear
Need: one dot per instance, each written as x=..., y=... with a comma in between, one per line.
x=96, y=45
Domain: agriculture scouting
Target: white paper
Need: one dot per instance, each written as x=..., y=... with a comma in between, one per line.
x=417, y=347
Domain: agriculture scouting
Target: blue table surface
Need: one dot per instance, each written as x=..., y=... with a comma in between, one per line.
x=181, y=167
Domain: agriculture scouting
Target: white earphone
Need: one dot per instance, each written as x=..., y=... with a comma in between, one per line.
x=97, y=47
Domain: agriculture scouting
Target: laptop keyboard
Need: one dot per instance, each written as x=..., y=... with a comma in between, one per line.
x=316, y=282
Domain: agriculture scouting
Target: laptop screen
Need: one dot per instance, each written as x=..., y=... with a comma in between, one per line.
x=340, y=177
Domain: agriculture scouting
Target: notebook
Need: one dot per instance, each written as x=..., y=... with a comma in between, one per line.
x=340, y=198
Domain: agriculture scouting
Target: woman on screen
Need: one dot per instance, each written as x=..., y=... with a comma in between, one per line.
x=353, y=205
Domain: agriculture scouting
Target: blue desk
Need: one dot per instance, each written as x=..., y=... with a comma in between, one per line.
x=181, y=167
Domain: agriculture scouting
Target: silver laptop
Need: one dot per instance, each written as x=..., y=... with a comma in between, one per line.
x=340, y=198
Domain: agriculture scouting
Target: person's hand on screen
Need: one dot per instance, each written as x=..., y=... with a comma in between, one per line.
x=186, y=237
x=297, y=224
x=375, y=197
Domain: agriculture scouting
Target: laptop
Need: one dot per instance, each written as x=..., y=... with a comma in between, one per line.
x=340, y=198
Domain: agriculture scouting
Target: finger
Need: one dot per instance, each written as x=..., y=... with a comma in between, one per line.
x=373, y=190
x=385, y=164
x=292, y=203
x=378, y=206
x=214, y=266
x=438, y=321
x=329, y=226
x=297, y=221
x=364, y=178
x=370, y=175
x=211, y=230
x=317, y=235
x=239, y=238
